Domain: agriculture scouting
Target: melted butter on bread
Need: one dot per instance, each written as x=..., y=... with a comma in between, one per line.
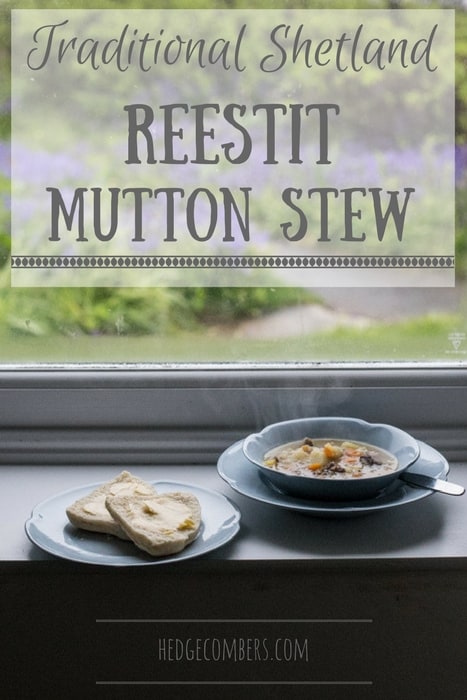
x=90, y=512
x=165, y=513
x=97, y=506
x=159, y=525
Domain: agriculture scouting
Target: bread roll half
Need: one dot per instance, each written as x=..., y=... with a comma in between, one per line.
x=160, y=524
x=90, y=512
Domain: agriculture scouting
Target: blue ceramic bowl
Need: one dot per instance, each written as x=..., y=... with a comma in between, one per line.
x=399, y=443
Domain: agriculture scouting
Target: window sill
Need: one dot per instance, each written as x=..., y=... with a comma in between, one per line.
x=395, y=581
x=429, y=532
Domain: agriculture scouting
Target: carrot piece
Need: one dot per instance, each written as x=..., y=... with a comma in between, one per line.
x=315, y=466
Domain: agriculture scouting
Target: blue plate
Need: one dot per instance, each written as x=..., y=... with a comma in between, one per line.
x=49, y=528
x=237, y=471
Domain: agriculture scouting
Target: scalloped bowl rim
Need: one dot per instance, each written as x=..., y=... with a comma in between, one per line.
x=404, y=446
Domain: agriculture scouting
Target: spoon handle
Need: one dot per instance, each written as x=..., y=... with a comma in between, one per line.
x=429, y=482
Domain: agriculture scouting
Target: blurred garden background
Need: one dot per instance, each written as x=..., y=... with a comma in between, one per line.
x=219, y=324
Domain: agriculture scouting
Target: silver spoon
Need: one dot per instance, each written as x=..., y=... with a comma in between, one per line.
x=428, y=482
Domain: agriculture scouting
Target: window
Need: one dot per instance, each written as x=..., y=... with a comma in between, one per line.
x=201, y=365
x=221, y=324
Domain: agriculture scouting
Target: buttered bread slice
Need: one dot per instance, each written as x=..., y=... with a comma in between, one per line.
x=160, y=524
x=90, y=512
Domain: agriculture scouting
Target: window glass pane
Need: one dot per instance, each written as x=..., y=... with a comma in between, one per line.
x=234, y=324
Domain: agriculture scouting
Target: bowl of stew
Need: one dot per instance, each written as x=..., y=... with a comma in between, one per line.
x=330, y=458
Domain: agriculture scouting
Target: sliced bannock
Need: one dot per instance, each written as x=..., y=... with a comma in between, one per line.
x=90, y=512
x=161, y=524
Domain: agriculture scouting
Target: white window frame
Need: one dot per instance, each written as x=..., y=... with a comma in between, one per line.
x=189, y=414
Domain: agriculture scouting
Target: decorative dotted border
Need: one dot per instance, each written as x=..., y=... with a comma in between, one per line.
x=230, y=262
